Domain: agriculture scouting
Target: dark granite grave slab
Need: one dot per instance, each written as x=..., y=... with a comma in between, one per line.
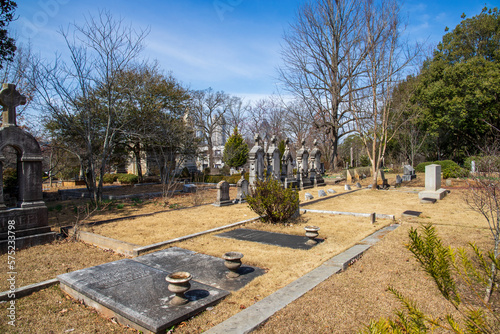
x=269, y=238
x=411, y=213
x=137, y=294
x=205, y=269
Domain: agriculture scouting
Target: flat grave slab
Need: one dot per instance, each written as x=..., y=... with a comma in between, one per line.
x=269, y=238
x=137, y=294
x=411, y=213
x=205, y=269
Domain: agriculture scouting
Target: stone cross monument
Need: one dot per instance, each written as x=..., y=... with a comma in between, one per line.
x=10, y=98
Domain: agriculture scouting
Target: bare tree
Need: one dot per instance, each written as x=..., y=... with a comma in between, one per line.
x=79, y=96
x=208, y=111
x=323, y=56
x=484, y=197
x=387, y=57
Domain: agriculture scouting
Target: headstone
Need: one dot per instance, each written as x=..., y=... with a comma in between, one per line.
x=223, y=194
x=321, y=193
x=348, y=176
x=316, y=167
x=408, y=173
x=189, y=188
x=273, y=160
x=256, y=161
x=448, y=182
x=242, y=189
x=381, y=180
x=303, y=168
x=427, y=200
x=433, y=188
x=473, y=166
x=370, y=186
x=233, y=171
x=308, y=196
x=358, y=185
x=347, y=187
x=30, y=217
x=331, y=191
x=399, y=180
x=373, y=217
x=356, y=175
x=287, y=177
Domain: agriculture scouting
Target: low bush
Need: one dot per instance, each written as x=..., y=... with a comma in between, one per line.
x=449, y=168
x=270, y=200
x=109, y=178
x=127, y=178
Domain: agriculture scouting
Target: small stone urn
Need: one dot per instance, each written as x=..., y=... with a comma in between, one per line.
x=179, y=284
x=233, y=263
x=311, y=233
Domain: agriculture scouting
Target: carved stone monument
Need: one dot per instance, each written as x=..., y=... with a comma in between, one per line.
x=223, y=194
x=256, y=160
x=273, y=160
x=433, y=188
x=242, y=189
x=287, y=176
x=315, y=164
x=303, y=168
x=408, y=173
x=30, y=217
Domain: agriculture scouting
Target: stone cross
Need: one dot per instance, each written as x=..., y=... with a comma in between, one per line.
x=10, y=98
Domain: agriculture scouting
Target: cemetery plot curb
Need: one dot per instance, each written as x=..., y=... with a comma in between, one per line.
x=253, y=316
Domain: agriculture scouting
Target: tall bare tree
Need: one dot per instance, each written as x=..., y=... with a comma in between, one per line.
x=323, y=55
x=79, y=97
x=387, y=56
x=208, y=111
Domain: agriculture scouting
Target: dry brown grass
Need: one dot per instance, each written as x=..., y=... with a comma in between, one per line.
x=339, y=305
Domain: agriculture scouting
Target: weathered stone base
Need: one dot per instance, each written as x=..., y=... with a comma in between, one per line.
x=438, y=194
x=223, y=203
x=407, y=178
x=29, y=227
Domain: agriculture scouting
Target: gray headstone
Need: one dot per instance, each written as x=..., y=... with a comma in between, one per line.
x=432, y=177
x=189, y=188
x=242, y=189
x=331, y=191
x=347, y=187
x=321, y=193
x=308, y=196
x=473, y=166
x=222, y=194
x=370, y=186
x=427, y=200
x=399, y=180
x=447, y=182
x=358, y=185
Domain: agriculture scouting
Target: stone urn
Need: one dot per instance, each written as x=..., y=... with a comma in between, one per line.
x=233, y=263
x=179, y=284
x=311, y=233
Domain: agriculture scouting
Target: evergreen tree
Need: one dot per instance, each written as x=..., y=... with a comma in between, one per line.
x=235, y=150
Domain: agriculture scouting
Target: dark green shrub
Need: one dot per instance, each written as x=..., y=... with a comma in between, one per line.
x=449, y=168
x=454, y=171
x=128, y=178
x=270, y=200
x=109, y=178
x=421, y=166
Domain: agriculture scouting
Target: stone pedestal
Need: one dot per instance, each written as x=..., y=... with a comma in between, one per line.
x=433, y=188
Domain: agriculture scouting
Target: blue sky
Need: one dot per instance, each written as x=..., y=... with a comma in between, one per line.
x=229, y=45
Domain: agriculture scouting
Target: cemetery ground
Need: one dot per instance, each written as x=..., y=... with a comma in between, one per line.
x=341, y=304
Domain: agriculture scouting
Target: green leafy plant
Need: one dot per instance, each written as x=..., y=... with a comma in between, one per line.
x=271, y=201
x=128, y=178
x=449, y=268
x=109, y=178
